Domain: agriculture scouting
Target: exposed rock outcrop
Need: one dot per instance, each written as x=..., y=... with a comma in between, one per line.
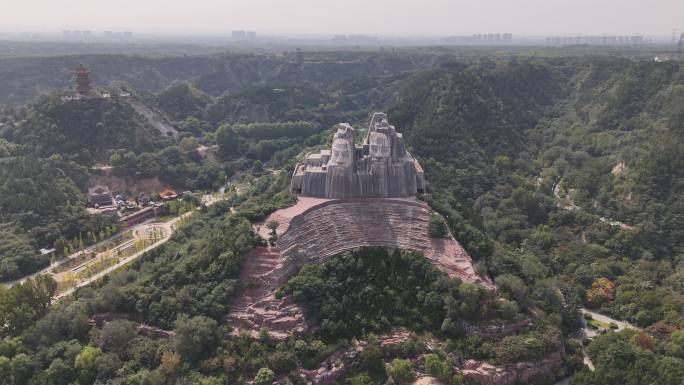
x=316, y=229
x=474, y=372
x=336, y=226
x=257, y=307
x=483, y=373
x=494, y=331
x=337, y=364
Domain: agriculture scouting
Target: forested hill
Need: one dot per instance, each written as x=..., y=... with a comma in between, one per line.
x=445, y=113
x=565, y=169
x=23, y=78
x=83, y=130
x=569, y=123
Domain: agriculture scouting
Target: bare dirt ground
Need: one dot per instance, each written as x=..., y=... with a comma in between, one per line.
x=132, y=185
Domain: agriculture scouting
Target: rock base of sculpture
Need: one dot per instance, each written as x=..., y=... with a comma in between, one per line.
x=314, y=230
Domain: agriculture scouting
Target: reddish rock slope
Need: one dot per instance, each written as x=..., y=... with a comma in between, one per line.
x=316, y=229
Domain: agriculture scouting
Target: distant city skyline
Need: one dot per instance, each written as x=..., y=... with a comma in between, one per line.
x=327, y=17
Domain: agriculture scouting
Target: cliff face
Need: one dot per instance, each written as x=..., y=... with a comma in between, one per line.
x=337, y=226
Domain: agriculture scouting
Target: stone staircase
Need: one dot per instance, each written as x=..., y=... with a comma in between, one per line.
x=338, y=226
x=256, y=306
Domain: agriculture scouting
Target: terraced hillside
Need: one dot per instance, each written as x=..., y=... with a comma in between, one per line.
x=315, y=230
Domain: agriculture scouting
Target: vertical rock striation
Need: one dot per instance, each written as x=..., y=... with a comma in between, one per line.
x=379, y=168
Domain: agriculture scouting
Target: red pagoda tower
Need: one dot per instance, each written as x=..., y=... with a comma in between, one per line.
x=82, y=80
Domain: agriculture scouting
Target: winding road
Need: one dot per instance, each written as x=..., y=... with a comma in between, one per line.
x=87, y=250
x=168, y=228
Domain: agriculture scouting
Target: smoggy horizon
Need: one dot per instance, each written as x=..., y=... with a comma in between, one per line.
x=326, y=17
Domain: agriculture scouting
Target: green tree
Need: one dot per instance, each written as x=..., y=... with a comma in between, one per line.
x=458, y=378
x=272, y=225
x=114, y=336
x=264, y=376
x=401, y=371
x=226, y=138
x=437, y=368
x=24, y=303
x=371, y=358
x=675, y=346
x=60, y=247
x=145, y=377
x=60, y=372
x=23, y=368
x=5, y=371
x=257, y=167
x=188, y=144
x=436, y=227
x=86, y=360
x=194, y=337
x=170, y=362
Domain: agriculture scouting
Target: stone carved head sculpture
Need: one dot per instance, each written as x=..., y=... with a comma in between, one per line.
x=343, y=146
x=379, y=145
x=341, y=152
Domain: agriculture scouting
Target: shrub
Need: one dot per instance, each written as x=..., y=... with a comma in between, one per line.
x=602, y=290
x=436, y=227
x=361, y=379
x=264, y=376
x=401, y=371
x=437, y=367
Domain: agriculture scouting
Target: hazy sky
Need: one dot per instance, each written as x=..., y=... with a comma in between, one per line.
x=382, y=17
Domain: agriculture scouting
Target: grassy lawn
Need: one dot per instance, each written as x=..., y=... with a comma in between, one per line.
x=595, y=324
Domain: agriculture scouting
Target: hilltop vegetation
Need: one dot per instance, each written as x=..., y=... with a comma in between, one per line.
x=80, y=130
x=22, y=78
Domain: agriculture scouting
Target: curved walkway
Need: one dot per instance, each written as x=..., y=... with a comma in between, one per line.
x=168, y=232
x=87, y=250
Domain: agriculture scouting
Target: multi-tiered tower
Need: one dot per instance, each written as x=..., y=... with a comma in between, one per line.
x=379, y=168
x=82, y=81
